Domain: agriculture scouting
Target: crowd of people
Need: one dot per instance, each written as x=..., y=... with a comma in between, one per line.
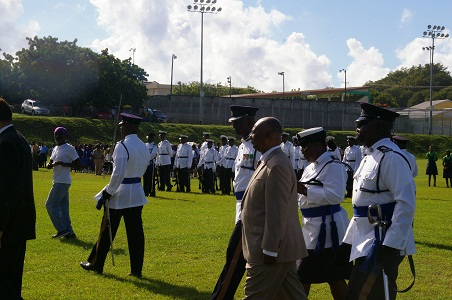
x=271, y=179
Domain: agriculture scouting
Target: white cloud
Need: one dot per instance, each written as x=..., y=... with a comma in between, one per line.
x=12, y=36
x=237, y=42
x=367, y=64
x=407, y=15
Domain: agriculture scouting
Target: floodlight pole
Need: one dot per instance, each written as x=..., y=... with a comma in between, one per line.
x=283, y=89
x=133, y=54
x=202, y=6
x=173, y=57
x=433, y=32
x=345, y=82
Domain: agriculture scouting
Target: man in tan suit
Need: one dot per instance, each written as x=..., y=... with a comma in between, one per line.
x=272, y=236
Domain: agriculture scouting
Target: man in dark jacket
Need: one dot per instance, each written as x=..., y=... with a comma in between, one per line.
x=17, y=208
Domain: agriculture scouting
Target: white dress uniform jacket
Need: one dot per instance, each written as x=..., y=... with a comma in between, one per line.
x=153, y=149
x=395, y=177
x=287, y=148
x=296, y=155
x=334, y=178
x=209, y=159
x=222, y=151
x=303, y=162
x=164, y=153
x=244, y=165
x=184, y=156
x=130, y=163
x=352, y=157
x=231, y=154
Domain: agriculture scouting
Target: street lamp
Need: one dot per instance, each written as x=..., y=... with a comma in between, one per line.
x=133, y=54
x=282, y=74
x=433, y=32
x=203, y=6
x=173, y=57
x=345, y=81
x=230, y=86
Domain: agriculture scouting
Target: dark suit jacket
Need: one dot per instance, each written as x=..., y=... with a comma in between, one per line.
x=270, y=212
x=17, y=207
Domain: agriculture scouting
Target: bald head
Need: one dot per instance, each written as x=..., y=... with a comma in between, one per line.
x=266, y=134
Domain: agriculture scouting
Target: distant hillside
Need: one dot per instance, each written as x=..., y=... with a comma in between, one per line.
x=87, y=130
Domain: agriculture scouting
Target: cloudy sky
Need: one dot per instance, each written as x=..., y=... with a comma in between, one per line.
x=249, y=40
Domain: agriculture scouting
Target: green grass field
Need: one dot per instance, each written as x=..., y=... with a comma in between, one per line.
x=186, y=239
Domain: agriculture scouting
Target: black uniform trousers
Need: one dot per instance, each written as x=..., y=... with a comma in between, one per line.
x=229, y=175
x=184, y=179
x=165, y=178
x=135, y=238
x=367, y=285
x=149, y=181
x=233, y=269
x=208, y=181
x=12, y=255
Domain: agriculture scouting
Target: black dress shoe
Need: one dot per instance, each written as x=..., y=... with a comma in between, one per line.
x=90, y=267
x=135, y=275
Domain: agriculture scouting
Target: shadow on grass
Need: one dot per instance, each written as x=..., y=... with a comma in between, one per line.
x=163, y=288
x=437, y=246
x=89, y=246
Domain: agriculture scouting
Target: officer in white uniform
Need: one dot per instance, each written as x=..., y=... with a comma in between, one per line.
x=321, y=190
x=165, y=151
x=352, y=154
x=332, y=147
x=383, y=178
x=126, y=198
x=296, y=155
x=149, y=175
x=229, y=159
x=242, y=119
x=287, y=147
x=182, y=163
x=208, y=163
x=221, y=164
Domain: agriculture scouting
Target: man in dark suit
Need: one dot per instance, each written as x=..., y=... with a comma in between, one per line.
x=272, y=236
x=17, y=207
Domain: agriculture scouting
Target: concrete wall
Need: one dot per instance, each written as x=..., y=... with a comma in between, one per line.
x=331, y=115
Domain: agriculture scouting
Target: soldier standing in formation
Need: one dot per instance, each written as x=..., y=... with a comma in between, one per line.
x=149, y=175
x=164, y=154
x=287, y=147
x=230, y=156
x=208, y=164
x=182, y=164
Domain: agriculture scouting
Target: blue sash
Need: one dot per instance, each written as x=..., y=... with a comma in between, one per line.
x=239, y=195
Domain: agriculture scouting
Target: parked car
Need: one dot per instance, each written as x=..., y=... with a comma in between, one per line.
x=158, y=116
x=34, y=107
x=105, y=115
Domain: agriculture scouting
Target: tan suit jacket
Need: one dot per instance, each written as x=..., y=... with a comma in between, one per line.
x=270, y=212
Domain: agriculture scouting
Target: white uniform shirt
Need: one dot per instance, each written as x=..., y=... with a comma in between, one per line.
x=153, y=149
x=128, y=165
x=336, y=152
x=231, y=155
x=352, y=157
x=303, y=162
x=67, y=154
x=203, y=149
x=396, y=177
x=209, y=159
x=287, y=148
x=296, y=155
x=412, y=160
x=184, y=156
x=222, y=151
x=244, y=165
x=334, y=178
x=165, y=151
